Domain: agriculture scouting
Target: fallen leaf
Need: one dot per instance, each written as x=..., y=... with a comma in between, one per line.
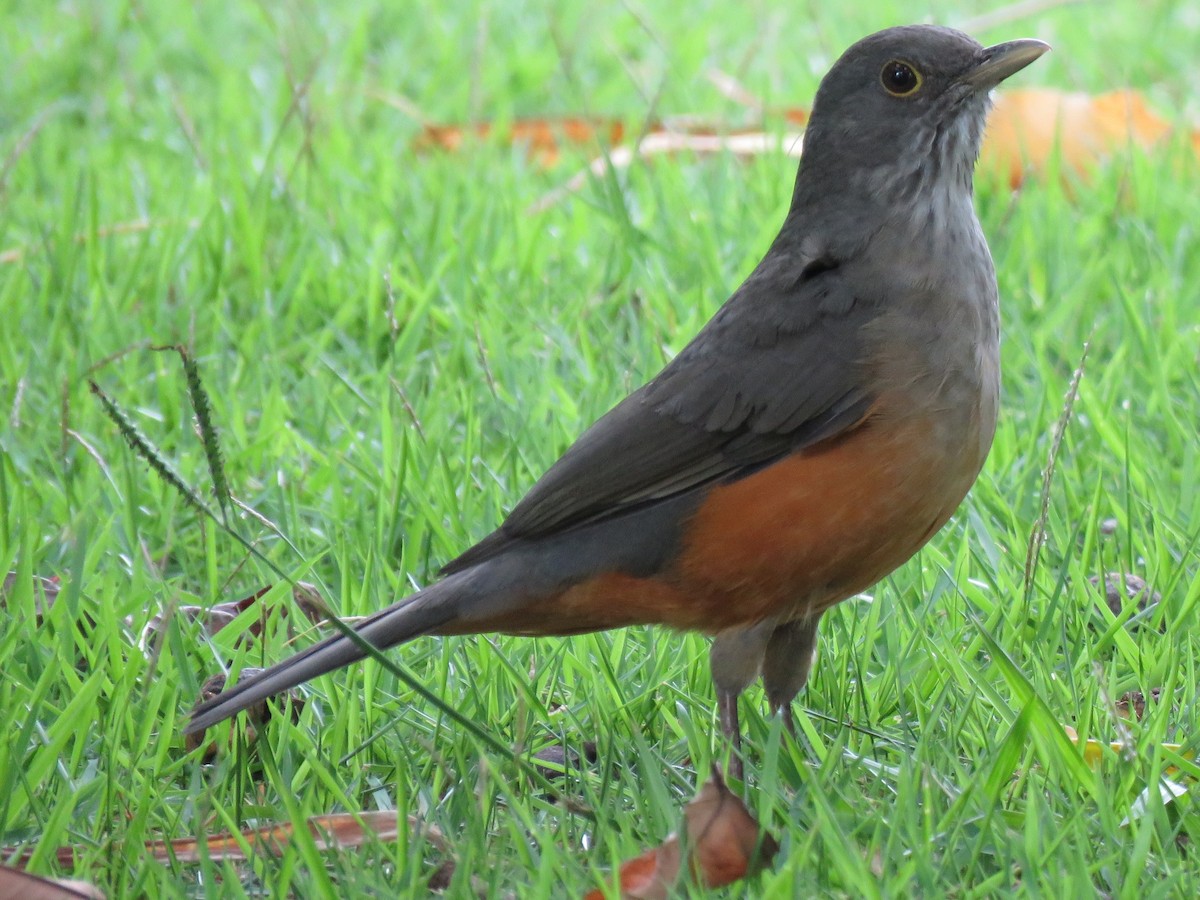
x=1132, y=704
x=723, y=842
x=1024, y=131
x=45, y=592
x=557, y=760
x=442, y=876
x=1027, y=126
x=17, y=884
x=1094, y=751
x=257, y=714
x=542, y=138
x=1168, y=792
x=310, y=602
x=1121, y=589
x=213, y=618
x=339, y=831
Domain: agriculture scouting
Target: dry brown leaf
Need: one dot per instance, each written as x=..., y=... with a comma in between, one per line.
x=339, y=831
x=257, y=714
x=543, y=138
x=213, y=618
x=1024, y=130
x=1133, y=704
x=723, y=841
x=17, y=884
x=1026, y=126
x=44, y=589
x=1123, y=589
x=557, y=760
x=336, y=831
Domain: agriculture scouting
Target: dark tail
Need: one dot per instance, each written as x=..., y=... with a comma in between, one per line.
x=423, y=613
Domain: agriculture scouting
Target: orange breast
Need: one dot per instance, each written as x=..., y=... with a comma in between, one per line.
x=801, y=535
x=819, y=526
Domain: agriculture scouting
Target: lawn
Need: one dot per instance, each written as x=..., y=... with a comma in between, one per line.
x=395, y=346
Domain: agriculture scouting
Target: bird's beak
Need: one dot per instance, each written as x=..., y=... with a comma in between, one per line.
x=1002, y=60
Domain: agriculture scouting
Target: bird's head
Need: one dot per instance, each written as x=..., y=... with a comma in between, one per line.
x=905, y=107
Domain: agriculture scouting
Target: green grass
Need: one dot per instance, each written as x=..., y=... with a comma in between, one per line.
x=285, y=198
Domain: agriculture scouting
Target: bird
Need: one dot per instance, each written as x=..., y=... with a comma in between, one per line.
x=823, y=425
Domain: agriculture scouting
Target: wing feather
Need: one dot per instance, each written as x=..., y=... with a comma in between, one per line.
x=776, y=369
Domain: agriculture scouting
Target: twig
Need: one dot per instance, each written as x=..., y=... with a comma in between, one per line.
x=732, y=89
x=748, y=144
x=1037, y=537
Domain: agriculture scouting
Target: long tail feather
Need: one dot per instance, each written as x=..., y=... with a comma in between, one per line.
x=423, y=613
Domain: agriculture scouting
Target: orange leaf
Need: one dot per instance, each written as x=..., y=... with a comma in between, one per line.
x=649, y=876
x=1024, y=129
x=1026, y=126
x=724, y=844
x=337, y=831
x=1094, y=751
x=542, y=137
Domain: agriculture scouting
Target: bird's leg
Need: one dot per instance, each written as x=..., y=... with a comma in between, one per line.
x=736, y=658
x=727, y=712
x=787, y=661
x=789, y=720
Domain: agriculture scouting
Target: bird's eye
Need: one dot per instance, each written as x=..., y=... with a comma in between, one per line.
x=899, y=78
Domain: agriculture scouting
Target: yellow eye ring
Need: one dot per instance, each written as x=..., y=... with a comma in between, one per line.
x=900, y=78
